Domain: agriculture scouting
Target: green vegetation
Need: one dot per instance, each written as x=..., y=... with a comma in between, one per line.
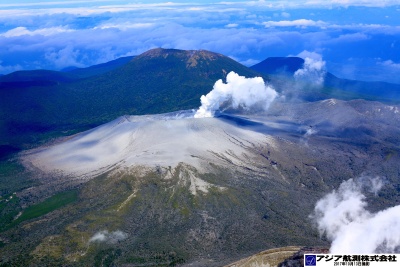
x=99, y=69
x=106, y=257
x=163, y=259
x=9, y=208
x=50, y=204
x=13, y=215
x=13, y=178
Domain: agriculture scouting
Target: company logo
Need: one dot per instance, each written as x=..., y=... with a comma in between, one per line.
x=310, y=260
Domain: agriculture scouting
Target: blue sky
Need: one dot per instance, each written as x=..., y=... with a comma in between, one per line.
x=358, y=39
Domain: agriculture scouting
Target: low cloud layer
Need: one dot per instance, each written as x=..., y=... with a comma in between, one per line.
x=238, y=92
x=43, y=34
x=343, y=217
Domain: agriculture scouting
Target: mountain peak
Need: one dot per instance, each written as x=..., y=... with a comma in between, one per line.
x=190, y=57
x=279, y=65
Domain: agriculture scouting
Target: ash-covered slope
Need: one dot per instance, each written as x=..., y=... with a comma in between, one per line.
x=226, y=140
x=151, y=140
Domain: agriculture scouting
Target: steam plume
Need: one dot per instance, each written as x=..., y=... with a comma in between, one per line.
x=109, y=237
x=307, y=134
x=343, y=217
x=313, y=71
x=238, y=91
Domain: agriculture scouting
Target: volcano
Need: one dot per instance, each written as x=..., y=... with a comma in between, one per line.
x=213, y=190
x=173, y=189
x=163, y=140
x=151, y=140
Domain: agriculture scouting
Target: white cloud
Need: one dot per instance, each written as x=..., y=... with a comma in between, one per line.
x=316, y=3
x=49, y=3
x=20, y=31
x=367, y=3
x=295, y=23
x=65, y=57
x=285, y=14
x=389, y=63
x=231, y=25
x=364, y=28
x=8, y=68
x=125, y=26
x=102, y=7
x=249, y=62
x=367, y=28
x=351, y=37
x=93, y=9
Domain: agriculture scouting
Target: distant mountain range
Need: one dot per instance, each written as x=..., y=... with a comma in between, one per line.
x=33, y=78
x=281, y=70
x=40, y=104
x=279, y=65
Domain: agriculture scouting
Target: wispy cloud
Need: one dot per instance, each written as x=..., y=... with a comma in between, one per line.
x=7, y=69
x=48, y=3
x=315, y=3
x=20, y=31
x=351, y=37
x=304, y=23
x=125, y=25
x=231, y=25
x=389, y=63
x=285, y=14
x=295, y=23
x=91, y=8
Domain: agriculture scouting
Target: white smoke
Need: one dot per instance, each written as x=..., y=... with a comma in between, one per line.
x=343, y=218
x=238, y=91
x=309, y=132
x=109, y=237
x=313, y=71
